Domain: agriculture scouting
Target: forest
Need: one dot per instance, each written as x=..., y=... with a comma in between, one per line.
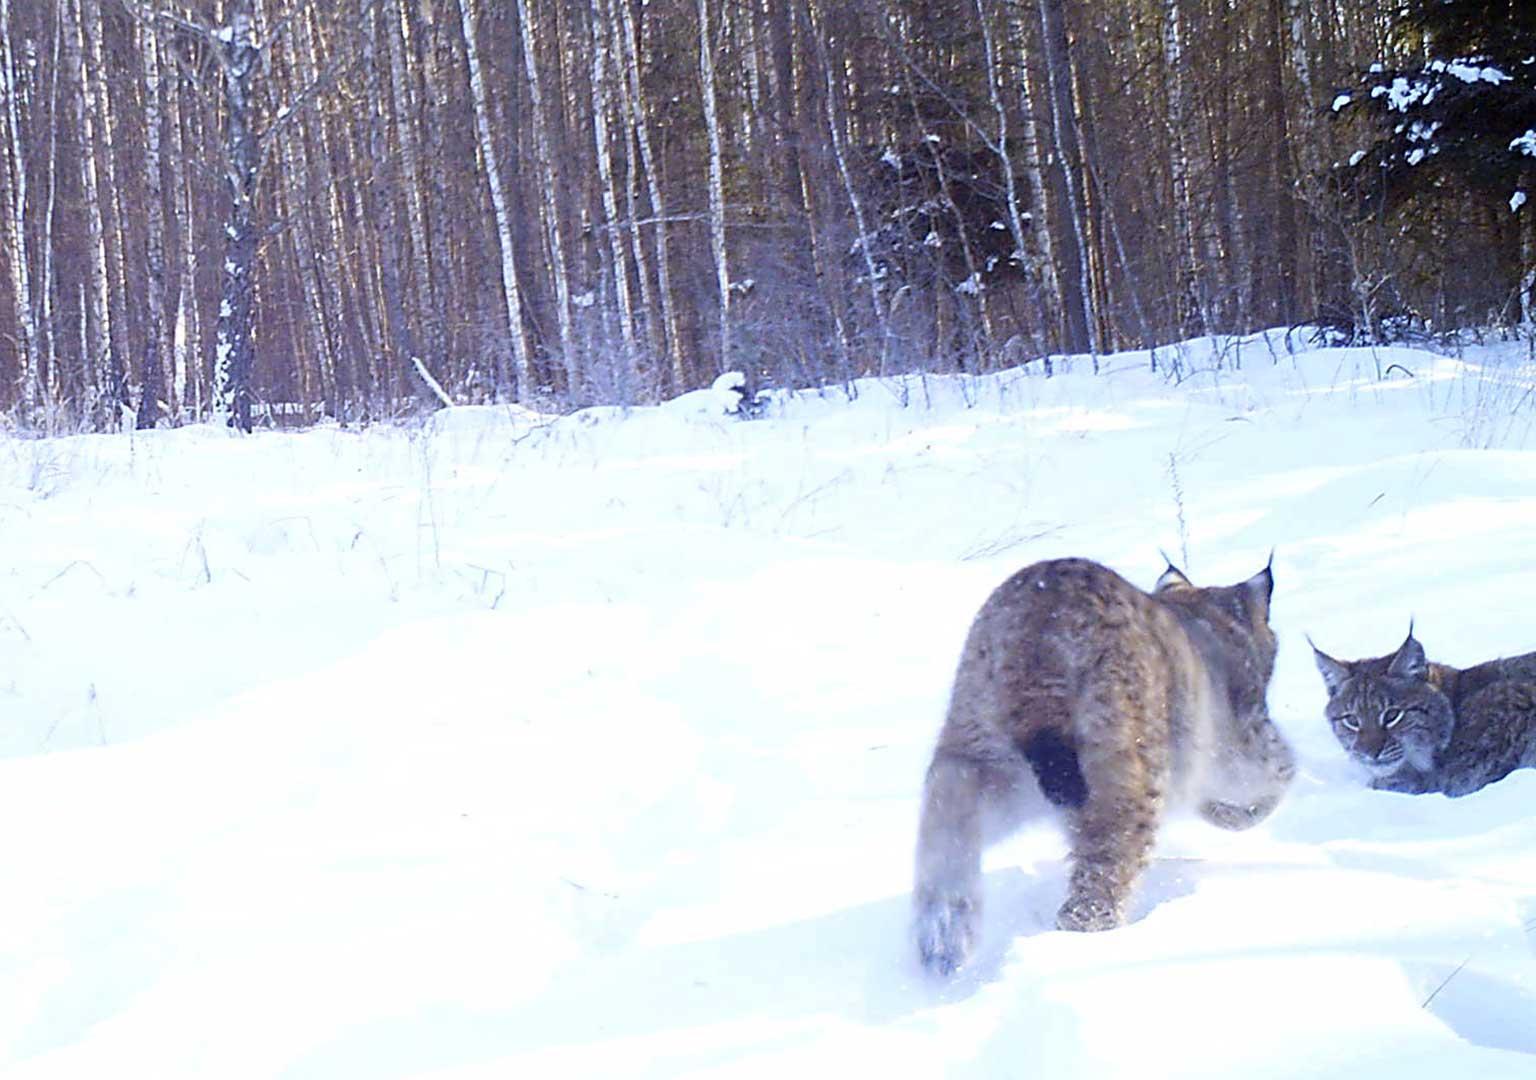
x=287, y=211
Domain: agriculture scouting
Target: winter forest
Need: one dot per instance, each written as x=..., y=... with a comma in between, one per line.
x=285, y=210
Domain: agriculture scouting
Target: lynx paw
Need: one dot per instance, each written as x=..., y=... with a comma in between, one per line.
x=945, y=929
x=1225, y=815
x=1087, y=913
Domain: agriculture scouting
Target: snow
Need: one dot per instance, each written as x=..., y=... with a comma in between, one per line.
x=505, y=745
x=1516, y=201
x=1341, y=100
x=1525, y=144
x=1470, y=70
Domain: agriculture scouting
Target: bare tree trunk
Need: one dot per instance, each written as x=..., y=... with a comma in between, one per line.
x=97, y=327
x=187, y=349
x=550, y=207
x=1305, y=142
x=112, y=218
x=1188, y=299
x=655, y=332
x=383, y=202
x=716, y=185
x=1044, y=260
x=601, y=106
x=406, y=136
x=307, y=163
x=649, y=158
x=1081, y=323
x=152, y=373
x=52, y=388
x=1004, y=155
x=15, y=223
x=235, y=349
x=1283, y=308
x=522, y=361
x=855, y=202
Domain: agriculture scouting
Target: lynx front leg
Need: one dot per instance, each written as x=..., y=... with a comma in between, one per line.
x=947, y=896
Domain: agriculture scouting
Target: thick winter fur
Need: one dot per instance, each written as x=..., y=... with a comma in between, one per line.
x=1082, y=696
x=1422, y=727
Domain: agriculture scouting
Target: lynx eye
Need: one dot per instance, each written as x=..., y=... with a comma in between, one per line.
x=1390, y=717
x=1350, y=722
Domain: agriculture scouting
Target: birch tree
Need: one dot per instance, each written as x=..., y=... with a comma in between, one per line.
x=550, y=204
x=716, y=185
x=14, y=210
x=152, y=372
x=521, y=360
x=96, y=328
x=1082, y=326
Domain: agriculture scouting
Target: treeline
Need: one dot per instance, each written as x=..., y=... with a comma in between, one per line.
x=348, y=208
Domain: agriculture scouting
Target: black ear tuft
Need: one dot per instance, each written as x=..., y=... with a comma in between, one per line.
x=1409, y=662
x=1172, y=578
x=1334, y=672
x=1259, y=588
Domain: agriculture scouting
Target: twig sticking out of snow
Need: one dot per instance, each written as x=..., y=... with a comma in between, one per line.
x=435, y=386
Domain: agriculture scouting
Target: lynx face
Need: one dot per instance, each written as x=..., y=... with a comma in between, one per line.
x=1385, y=712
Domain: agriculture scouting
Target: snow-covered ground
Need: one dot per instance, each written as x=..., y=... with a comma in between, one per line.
x=497, y=746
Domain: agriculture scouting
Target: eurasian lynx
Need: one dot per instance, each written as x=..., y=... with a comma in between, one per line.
x=1421, y=727
x=1080, y=694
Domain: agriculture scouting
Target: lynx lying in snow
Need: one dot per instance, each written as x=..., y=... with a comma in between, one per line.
x=1111, y=703
x=1421, y=727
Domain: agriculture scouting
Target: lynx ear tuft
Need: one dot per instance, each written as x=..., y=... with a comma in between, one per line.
x=1334, y=672
x=1261, y=586
x=1172, y=578
x=1409, y=662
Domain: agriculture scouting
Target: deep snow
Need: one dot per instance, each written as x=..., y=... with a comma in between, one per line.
x=507, y=746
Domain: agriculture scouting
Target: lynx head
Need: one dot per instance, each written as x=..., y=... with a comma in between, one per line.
x=1237, y=614
x=1385, y=711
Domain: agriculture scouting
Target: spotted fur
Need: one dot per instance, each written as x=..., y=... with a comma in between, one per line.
x=1079, y=696
x=1421, y=727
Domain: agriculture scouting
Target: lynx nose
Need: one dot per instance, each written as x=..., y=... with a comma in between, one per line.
x=1370, y=744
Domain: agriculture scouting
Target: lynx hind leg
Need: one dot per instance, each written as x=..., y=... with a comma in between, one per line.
x=947, y=896
x=1113, y=831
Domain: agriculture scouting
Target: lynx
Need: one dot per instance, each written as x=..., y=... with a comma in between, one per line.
x=1081, y=697
x=1421, y=727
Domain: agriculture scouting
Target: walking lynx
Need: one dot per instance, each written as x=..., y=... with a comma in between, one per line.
x=1080, y=696
x=1420, y=727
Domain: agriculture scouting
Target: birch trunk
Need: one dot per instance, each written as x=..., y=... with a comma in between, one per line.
x=522, y=362
x=383, y=203
x=655, y=330
x=112, y=218
x=1005, y=157
x=316, y=246
x=855, y=202
x=1042, y=262
x=156, y=349
x=52, y=388
x=1078, y=304
x=637, y=110
x=601, y=105
x=1299, y=24
x=550, y=207
x=15, y=223
x=234, y=351
x=716, y=186
x=1188, y=301
x=187, y=349
x=396, y=18
x=97, y=328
